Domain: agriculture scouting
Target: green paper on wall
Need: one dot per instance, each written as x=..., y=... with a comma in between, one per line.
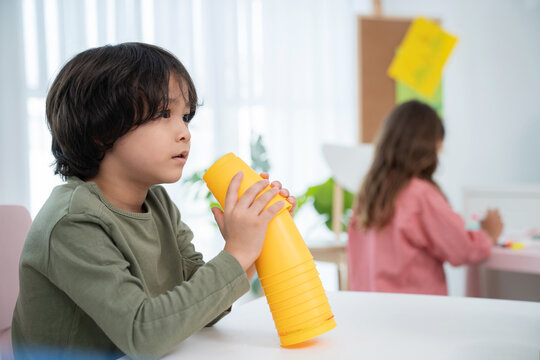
x=405, y=93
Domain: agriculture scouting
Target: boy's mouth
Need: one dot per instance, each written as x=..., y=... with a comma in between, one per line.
x=182, y=155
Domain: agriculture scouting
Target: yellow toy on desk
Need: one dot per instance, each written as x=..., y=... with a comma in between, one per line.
x=514, y=245
x=285, y=267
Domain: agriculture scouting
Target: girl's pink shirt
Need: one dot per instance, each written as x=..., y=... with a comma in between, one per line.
x=407, y=255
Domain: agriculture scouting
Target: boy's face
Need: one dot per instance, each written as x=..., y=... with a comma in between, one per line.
x=156, y=151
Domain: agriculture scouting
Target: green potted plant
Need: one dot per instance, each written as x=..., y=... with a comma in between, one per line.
x=321, y=198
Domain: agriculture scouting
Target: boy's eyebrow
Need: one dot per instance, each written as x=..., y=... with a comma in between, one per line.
x=175, y=100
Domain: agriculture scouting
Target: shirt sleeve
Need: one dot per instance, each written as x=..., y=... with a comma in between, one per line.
x=444, y=234
x=90, y=269
x=193, y=260
x=184, y=235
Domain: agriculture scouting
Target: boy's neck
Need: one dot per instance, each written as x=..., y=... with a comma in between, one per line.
x=123, y=195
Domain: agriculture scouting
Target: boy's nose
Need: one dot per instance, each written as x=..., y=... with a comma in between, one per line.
x=183, y=133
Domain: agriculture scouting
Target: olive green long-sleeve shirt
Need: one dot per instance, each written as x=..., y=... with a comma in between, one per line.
x=98, y=280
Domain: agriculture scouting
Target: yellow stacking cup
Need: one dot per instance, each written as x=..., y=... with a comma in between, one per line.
x=304, y=297
x=287, y=312
x=308, y=265
x=285, y=267
x=297, y=279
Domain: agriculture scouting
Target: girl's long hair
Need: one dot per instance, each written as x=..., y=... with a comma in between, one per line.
x=406, y=147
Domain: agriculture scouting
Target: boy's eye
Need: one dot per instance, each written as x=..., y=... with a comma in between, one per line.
x=165, y=114
x=186, y=118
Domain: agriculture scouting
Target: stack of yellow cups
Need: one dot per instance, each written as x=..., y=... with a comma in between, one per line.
x=285, y=267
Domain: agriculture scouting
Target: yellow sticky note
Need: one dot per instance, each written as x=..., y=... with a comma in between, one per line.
x=420, y=59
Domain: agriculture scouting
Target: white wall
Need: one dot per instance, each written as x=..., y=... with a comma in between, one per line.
x=491, y=90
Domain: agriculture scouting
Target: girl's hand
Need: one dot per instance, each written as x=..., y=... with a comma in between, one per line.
x=283, y=192
x=492, y=224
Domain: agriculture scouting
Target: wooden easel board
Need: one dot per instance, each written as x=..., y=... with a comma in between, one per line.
x=378, y=39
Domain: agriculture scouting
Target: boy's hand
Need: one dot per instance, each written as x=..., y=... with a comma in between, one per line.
x=243, y=223
x=283, y=192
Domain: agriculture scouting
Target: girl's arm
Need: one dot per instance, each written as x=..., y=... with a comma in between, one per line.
x=445, y=233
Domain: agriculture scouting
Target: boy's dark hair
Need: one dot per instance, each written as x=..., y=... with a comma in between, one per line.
x=101, y=94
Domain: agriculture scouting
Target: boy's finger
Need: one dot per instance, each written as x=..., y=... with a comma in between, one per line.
x=264, y=175
x=263, y=200
x=293, y=202
x=272, y=210
x=218, y=215
x=232, y=191
x=249, y=196
x=276, y=184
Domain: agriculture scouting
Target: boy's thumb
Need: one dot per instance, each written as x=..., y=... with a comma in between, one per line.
x=218, y=215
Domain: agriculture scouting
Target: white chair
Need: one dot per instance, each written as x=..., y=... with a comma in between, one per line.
x=348, y=165
x=14, y=224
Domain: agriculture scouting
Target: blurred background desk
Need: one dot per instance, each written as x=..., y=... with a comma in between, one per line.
x=333, y=251
x=381, y=326
x=507, y=273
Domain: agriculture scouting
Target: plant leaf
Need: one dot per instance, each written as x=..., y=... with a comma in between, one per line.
x=259, y=157
x=321, y=197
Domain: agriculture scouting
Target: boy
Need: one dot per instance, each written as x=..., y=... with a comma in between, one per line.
x=108, y=267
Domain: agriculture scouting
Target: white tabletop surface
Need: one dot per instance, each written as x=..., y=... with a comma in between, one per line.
x=381, y=326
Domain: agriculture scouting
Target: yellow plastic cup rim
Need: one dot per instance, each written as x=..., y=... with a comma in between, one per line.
x=294, y=310
x=317, y=313
x=293, y=279
x=288, y=293
x=269, y=280
x=307, y=333
x=304, y=324
x=292, y=283
x=306, y=296
x=291, y=271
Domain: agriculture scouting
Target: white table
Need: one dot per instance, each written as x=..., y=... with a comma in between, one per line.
x=381, y=326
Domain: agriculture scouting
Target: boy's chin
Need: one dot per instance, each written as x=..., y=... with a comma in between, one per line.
x=174, y=178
